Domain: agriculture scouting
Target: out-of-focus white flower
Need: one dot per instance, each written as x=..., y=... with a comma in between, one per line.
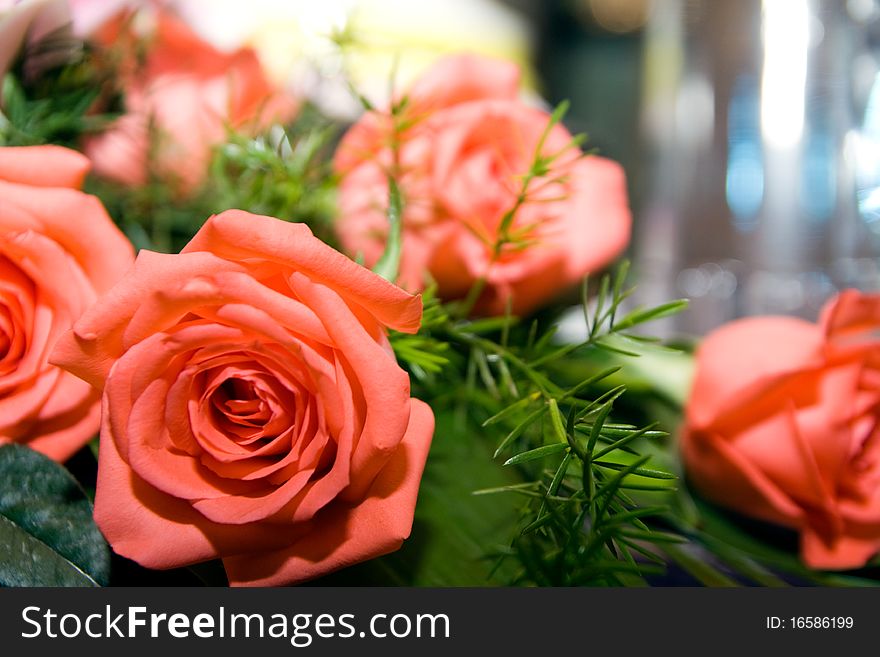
x=294, y=40
x=89, y=15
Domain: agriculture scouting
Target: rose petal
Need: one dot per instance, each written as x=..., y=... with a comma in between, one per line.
x=717, y=469
x=463, y=78
x=43, y=166
x=49, y=212
x=385, y=387
x=747, y=354
x=843, y=552
x=137, y=520
x=96, y=341
x=239, y=236
x=344, y=535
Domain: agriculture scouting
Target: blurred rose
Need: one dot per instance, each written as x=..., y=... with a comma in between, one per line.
x=180, y=102
x=461, y=162
x=782, y=425
x=253, y=407
x=58, y=251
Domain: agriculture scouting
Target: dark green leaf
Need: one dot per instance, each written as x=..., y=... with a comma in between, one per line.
x=46, y=528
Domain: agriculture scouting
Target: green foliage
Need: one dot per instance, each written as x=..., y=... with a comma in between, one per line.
x=389, y=264
x=59, y=106
x=425, y=356
x=761, y=554
x=284, y=173
x=46, y=526
x=579, y=524
x=576, y=471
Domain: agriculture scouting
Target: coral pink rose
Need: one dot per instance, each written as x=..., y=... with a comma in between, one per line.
x=253, y=408
x=58, y=251
x=461, y=162
x=782, y=425
x=180, y=103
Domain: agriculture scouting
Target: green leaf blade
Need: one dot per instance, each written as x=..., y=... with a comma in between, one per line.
x=46, y=524
x=389, y=264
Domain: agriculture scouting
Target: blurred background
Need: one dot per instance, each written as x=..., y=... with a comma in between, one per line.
x=749, y=129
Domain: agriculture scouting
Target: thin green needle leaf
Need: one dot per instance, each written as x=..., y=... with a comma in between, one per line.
x=623, y=441
x=487, y=325
x=641, y=549
x=628, y=516
x=545, y=338
x=389, y=264
x=516, y=406
x=585, y=302
x=485, y=372
x=506, y=489
x=649, y=487
x=583, y=385
x=519, y=429
x=604, y=344
x=642, y=472
x=605, y=398
x=610, y=489
x=704, y=572
x=533, y=334
x=507, y=378
x=556, y=422
x=537, y=523
x=559, y=475
x=653, y=537
x=538, y=453
x=640, y=316
x=600, y=305
x=597, y=426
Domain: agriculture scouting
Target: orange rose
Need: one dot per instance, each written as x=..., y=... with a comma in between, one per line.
x=58, y=250
x=461, y=166
x=782, y=425
x=185, y=95
x=253, y=408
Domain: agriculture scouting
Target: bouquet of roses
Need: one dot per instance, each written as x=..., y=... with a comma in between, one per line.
x=236, y=331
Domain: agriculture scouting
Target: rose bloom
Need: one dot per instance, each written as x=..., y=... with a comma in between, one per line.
x=253, y=408
x=58, y=251
x=467, y=145
x=180, y=102
x=782, y=425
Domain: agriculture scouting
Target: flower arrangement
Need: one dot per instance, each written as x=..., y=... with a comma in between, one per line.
x=334, y=356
